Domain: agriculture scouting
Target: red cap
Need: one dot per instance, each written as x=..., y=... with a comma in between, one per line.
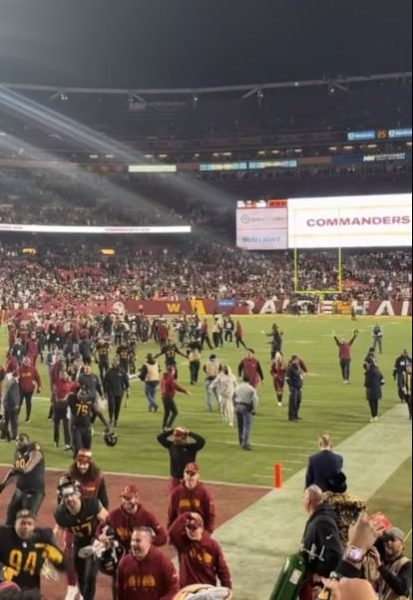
x=196, y=521
x=84, y=456
x=192, y=468
x=129, y=491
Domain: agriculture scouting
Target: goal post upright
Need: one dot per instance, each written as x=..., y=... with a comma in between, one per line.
x=340, y=278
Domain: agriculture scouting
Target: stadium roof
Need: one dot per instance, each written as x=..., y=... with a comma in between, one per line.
x=200, y=43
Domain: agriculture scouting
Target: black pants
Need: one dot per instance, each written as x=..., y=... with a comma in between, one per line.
x=114, y=406
x=81, y=438
x=28, y=499
x=27, y=398
x=60, y=416
x=374, y=406
x=86, y=571
x=239, y=342
x=194, y=368
x=228, y=336
x=345, y=368
x=294, y=404
x=378, y=343
x=170, y=412
x=103, y=367
x=11, y=418
x=205, y=340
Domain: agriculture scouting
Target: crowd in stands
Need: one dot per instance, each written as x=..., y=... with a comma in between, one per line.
x=71, y=270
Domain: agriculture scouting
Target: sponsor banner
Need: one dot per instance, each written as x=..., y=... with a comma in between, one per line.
x=361, y=136
x=173, y=308
x=152, y=168
x=262, y=228
x=94, y=230
x=350, y=221
x=405, y=132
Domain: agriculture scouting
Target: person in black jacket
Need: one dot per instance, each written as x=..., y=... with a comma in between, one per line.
x=321, y=539
x=323, y=465
x=373, y=382
x=115, y=384
x=394, y=567
x=402, y=365
x=181, y=450
x=294, y=378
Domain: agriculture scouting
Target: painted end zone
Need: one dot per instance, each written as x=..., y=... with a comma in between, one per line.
x=229, y=500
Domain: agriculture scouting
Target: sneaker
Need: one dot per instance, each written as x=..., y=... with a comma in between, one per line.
x=376, y=419
x=56, y=444
x=68, y=448
x=372, y=420
x=27, y=420
x=280, y=404
x=72, y=592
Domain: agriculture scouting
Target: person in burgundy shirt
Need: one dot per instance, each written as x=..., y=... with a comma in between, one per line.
x=278, y=373
x=33, y=348
x=29, y=382
x=169, y=387
x=192, y=496
x=131, y=515
x=63, y=388
x=146, y=573
x=344, y=354
x=201, y=558
x=250, y=366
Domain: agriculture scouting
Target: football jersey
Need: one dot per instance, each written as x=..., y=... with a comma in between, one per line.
x=26, y=557
x=34, y=480
x=84, y=524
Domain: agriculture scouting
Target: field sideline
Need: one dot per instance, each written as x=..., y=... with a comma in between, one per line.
x=328, y=406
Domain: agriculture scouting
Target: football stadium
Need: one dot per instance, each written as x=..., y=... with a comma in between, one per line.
x=205, y=302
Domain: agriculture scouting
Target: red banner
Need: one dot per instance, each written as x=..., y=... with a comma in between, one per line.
x=202, y=306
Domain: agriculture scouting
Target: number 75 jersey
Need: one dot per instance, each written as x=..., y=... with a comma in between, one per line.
x=24, y=558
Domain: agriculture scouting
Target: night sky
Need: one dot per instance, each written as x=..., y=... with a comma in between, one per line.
x=187, y=43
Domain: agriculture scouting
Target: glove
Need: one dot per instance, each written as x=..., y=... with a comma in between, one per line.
x=49, y=572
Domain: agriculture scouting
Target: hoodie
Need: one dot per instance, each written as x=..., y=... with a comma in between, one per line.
x=321, y=531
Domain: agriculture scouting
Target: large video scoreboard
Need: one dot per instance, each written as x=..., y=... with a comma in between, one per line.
x=327, y=222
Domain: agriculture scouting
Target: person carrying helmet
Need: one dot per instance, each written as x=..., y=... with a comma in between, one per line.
x=80, y=516
x=83, y=407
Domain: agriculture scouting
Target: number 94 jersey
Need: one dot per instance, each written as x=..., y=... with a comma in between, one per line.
x=84, y=524
x=24, y=559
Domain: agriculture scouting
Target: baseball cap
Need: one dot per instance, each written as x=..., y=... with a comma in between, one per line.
x=84, y=456
x=397, y=533
x=192, y=468
x=129, y=491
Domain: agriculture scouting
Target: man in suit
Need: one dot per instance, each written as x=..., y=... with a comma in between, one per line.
x=323, y=465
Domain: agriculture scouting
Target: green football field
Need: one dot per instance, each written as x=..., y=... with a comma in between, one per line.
x=329, y=406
